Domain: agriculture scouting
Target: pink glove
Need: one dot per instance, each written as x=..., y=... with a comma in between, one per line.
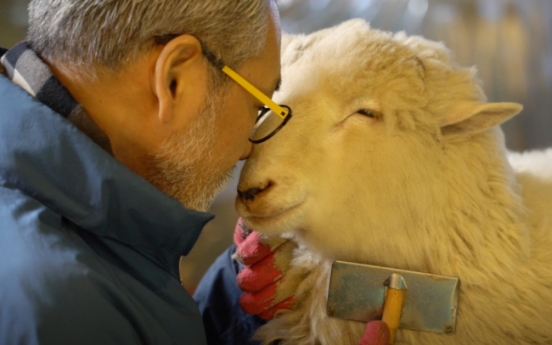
x=376, y=333
x=262, y=279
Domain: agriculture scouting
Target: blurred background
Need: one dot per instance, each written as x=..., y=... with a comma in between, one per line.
x=510, y=42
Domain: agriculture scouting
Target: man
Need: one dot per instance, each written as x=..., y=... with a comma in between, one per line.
x=89, y=249
x=118, y=125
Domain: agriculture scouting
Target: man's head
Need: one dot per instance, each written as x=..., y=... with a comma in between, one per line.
x=79, y=34
x=140, y=70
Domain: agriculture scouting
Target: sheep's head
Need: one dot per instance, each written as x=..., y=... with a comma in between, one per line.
x=374, y=115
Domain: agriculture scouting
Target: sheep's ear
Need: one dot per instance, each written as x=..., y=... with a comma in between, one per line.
x=475, y=117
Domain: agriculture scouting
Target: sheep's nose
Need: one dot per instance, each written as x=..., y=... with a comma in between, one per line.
x=251, y=193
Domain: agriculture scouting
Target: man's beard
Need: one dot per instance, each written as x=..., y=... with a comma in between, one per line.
x=185, y=168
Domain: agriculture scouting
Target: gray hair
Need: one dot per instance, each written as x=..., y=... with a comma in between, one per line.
x=80, y=34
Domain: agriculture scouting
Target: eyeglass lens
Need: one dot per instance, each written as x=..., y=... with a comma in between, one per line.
x=267, y=122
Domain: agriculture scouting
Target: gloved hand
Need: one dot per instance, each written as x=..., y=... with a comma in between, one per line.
x=376, y=333
x=265, y=262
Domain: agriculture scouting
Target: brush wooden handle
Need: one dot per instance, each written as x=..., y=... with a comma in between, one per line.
x=392, y=309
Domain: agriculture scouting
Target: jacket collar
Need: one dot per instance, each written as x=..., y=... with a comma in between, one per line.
x=46, y=157
x=26, y=69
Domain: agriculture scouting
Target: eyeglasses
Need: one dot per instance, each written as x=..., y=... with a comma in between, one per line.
x=271, y=118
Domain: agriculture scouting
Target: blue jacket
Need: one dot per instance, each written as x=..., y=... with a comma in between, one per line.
x=89, y=251
x=218, y=300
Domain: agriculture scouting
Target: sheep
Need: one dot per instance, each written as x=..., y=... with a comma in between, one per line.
x=394, y=158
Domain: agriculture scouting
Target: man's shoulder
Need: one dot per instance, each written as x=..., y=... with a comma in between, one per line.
x=18, y=209
x=75, y=308
x=47, y=293
x=28, y=230
x=62, y=284
x=36, y=251
x=34, y=247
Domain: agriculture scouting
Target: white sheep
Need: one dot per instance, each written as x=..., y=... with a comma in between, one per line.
x=394, y=158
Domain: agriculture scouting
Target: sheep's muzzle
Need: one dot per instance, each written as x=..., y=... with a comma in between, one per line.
x=249, y=195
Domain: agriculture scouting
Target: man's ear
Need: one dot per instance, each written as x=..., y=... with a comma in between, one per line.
x=172, y=72
x=472, y=117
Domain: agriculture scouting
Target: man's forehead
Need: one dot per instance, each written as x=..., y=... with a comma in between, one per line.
x=271, y=74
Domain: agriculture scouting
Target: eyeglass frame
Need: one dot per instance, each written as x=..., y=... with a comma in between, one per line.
x=281, y=110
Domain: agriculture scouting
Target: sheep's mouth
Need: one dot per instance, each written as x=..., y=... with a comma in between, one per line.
x=259, y=219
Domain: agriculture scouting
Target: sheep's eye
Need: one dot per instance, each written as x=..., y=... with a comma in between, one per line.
x=366, y=112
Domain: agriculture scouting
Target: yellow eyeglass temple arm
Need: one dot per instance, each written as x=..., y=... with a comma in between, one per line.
x=282, y=112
